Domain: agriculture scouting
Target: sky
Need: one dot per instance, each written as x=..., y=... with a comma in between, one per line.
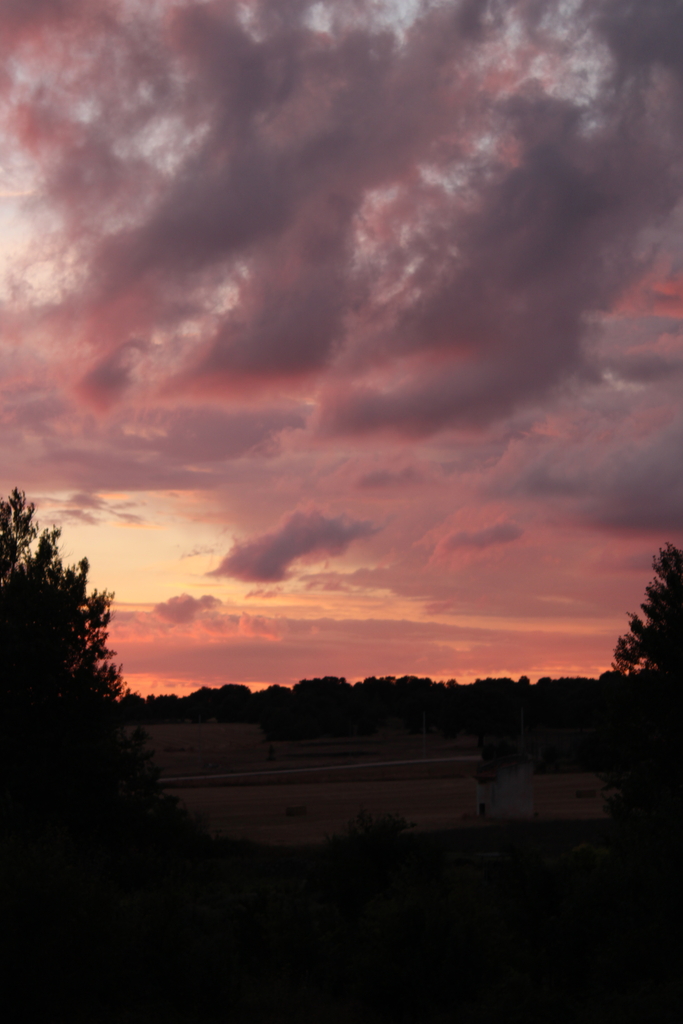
x=346, y=338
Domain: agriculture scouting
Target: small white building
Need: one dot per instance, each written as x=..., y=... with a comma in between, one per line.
x=505, y=788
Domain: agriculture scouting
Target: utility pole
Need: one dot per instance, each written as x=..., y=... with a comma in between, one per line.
x=424, y=734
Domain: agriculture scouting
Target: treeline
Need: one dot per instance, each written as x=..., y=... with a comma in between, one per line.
x=333, y=707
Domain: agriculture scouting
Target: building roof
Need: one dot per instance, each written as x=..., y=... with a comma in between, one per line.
x=488, y=771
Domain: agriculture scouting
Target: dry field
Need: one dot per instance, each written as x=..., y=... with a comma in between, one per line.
x=214, y=748
x=435, y=796
x=260, y=812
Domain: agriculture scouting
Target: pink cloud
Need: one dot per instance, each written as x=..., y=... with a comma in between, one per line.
x=302, y=534
x=185, y=608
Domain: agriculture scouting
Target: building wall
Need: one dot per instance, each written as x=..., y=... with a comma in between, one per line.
x=510, y=795
x=484, y=799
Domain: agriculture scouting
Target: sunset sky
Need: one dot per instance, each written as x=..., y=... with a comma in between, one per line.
x=347, y=338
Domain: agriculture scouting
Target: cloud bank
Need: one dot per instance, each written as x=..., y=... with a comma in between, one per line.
x=417, y=265
x=426, y=236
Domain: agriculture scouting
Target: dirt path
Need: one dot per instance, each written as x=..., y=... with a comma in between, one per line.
x=232, y=776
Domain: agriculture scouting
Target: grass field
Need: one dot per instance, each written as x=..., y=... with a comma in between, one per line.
x=438, y=795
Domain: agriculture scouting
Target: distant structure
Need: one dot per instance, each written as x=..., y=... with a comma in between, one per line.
x=505, y=788
x=552, y=744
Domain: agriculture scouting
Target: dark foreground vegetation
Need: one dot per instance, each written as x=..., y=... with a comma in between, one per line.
x=378, y=925
x=116, y=908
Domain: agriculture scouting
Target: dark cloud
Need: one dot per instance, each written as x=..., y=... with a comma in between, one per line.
x=100, y=466
x=268, y=558
x=92, y=509
x=152, y=449
x=280, y=202
x=386, y=478
x=20, y=18
x=640, y=489
x=185, y=608
x=106, y=382
x=86, y=501
x=647, y=367
x=436, y=398
x=83, y=508
x=210, y=435
x=199, y=549
x=32, y=409
x=551, y=239
x=500, y=533
x=623, y=481
x=644, y=36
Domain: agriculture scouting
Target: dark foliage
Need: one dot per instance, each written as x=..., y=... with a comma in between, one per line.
x=645, y=712
x=380, y=925
x=655, y=642
x=360, y=864
x=65, y=759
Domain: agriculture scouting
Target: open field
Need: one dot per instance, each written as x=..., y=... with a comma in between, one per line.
x=259, y=812
x=214, y=748
x=436, y=795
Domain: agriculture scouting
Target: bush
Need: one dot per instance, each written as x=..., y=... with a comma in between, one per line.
x=359, y=864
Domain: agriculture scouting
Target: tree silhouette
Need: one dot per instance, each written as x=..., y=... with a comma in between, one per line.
x=645, y=712
x=64, y=758
x=656, y=642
